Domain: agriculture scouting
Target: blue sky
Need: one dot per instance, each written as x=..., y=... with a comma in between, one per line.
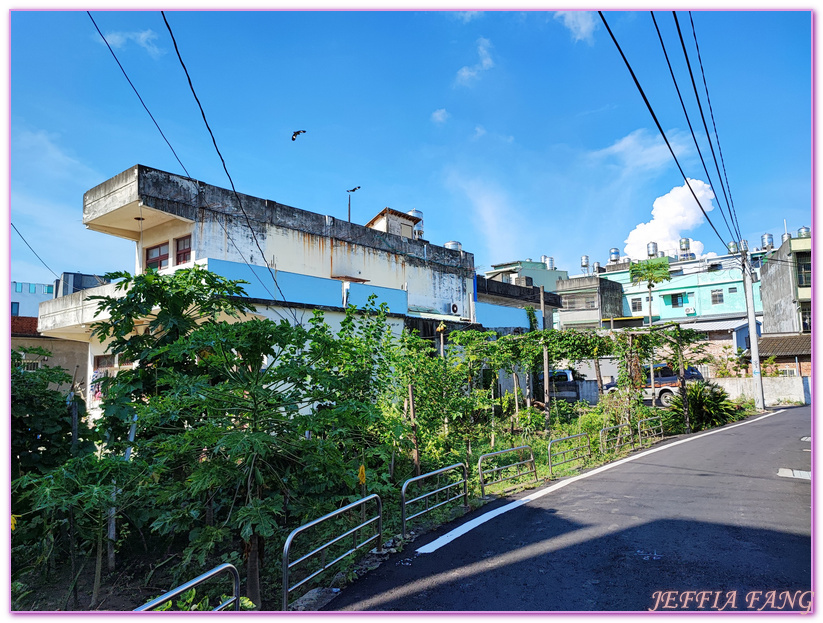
x=518, y=134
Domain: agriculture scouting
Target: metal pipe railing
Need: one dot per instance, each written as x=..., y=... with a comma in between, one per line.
x=355, y=545
x=405, y=503
x=649, y=431
x=235, y=599
x=605, y=438
x=481, y=473
x=575, y=450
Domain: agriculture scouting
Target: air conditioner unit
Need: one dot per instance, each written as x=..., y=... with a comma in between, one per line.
x=690, y=310
x=454, y=308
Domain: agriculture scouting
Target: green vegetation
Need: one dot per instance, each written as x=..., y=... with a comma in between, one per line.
x=231, y=431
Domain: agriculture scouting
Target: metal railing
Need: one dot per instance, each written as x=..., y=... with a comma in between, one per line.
x=616, y=440
x=354, y=533
x=518, y=464
x=234, y=599
x=575, y=451
x=405, y=503
x=647, y=430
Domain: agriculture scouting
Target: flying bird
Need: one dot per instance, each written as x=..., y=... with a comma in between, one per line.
x=353, y=189
x=296, y=134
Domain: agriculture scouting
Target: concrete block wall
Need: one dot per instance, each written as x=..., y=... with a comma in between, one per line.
x=776, y=390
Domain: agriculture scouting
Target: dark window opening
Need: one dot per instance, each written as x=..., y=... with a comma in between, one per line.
x=183, y=249
x=717, y=297
x=677, y=300
x=804, y=269
x=15, y=309
x=158, y=257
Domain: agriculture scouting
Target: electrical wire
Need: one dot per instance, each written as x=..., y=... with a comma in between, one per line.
x=33, y=251
x=691, y=129
x=175, y=155
x=714, y=125
x=138, y=94
x=225, y=168
x=700, y=108
x=659, y=127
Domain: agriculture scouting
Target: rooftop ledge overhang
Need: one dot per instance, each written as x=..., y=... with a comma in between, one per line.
x=117, y=207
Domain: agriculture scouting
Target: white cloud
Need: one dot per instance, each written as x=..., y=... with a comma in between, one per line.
x=467, y=16
x=39, y=151
x=468, y=74
x=497, y=221
x=581, y=24
x=144, y=38
x=439, y=116
x=673, y=215
x=643, y=151
x=479, y=131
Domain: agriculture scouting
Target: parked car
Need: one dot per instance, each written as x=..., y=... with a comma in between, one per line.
x=666, y=383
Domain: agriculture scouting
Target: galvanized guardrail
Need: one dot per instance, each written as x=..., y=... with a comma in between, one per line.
x=354, y=533
x=575, y=451
x=500, y=469
x=647, y=430
x=225, y=567
x=617, y=440
x=405, y=503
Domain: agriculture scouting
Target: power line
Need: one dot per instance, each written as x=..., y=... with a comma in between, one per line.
x=175, y=155
x=700, y=108
x=691, y=129
x=714, y=125
x=659, y=127
x=138, y=94
x=217, y=149
x=33, y=251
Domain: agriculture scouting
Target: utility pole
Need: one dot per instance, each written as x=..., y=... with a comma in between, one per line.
x=759, y=401
x=545, y=350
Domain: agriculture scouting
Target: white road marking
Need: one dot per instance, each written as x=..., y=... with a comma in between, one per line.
x=805, y=439
x=478, y=521
x=785, y=472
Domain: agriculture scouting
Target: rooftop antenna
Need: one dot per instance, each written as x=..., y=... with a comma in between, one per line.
x=350, y=192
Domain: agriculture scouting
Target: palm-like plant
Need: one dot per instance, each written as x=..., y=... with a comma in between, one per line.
x=652, y=271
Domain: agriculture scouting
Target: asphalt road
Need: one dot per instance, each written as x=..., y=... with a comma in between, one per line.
x=706, y=524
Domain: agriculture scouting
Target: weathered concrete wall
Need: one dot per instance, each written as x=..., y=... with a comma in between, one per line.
x=69, y=355
x=776, y=390
x=777, y=290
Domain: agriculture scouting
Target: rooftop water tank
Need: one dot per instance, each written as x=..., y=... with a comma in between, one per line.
x=418, y=227
x=549, y=262
x=804, y=232
x=651, y=249
x=732, y=247
x=767, y=241
x=661, y=254
x=453, y=245
x=744, y=245
x=785, y=237
x=685, y=244
x=596, y=267
x=614, y=254
x=584, y=261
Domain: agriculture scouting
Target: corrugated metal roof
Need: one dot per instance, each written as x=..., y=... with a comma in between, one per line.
x=785, y=345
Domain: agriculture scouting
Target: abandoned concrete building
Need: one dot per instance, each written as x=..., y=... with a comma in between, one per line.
x=294, y=261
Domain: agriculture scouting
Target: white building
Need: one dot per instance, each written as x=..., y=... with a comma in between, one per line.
x=294, y=261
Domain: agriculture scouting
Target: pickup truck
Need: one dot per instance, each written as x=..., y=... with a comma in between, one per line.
x=666, y=383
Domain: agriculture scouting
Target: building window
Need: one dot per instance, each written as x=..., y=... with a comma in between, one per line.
x=32, y=288
x=591, y=303
x=806, y=317
x=15, y=309
x=18, y=287
x=182, y=247
x=637, y=305
x=732, y=290
x=103, y=361
x=158, y=257
x=49, y=289
x=677, y=300
x=804, y=269
x=717, y=297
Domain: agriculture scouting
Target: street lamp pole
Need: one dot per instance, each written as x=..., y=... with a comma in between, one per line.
x=350, y=192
